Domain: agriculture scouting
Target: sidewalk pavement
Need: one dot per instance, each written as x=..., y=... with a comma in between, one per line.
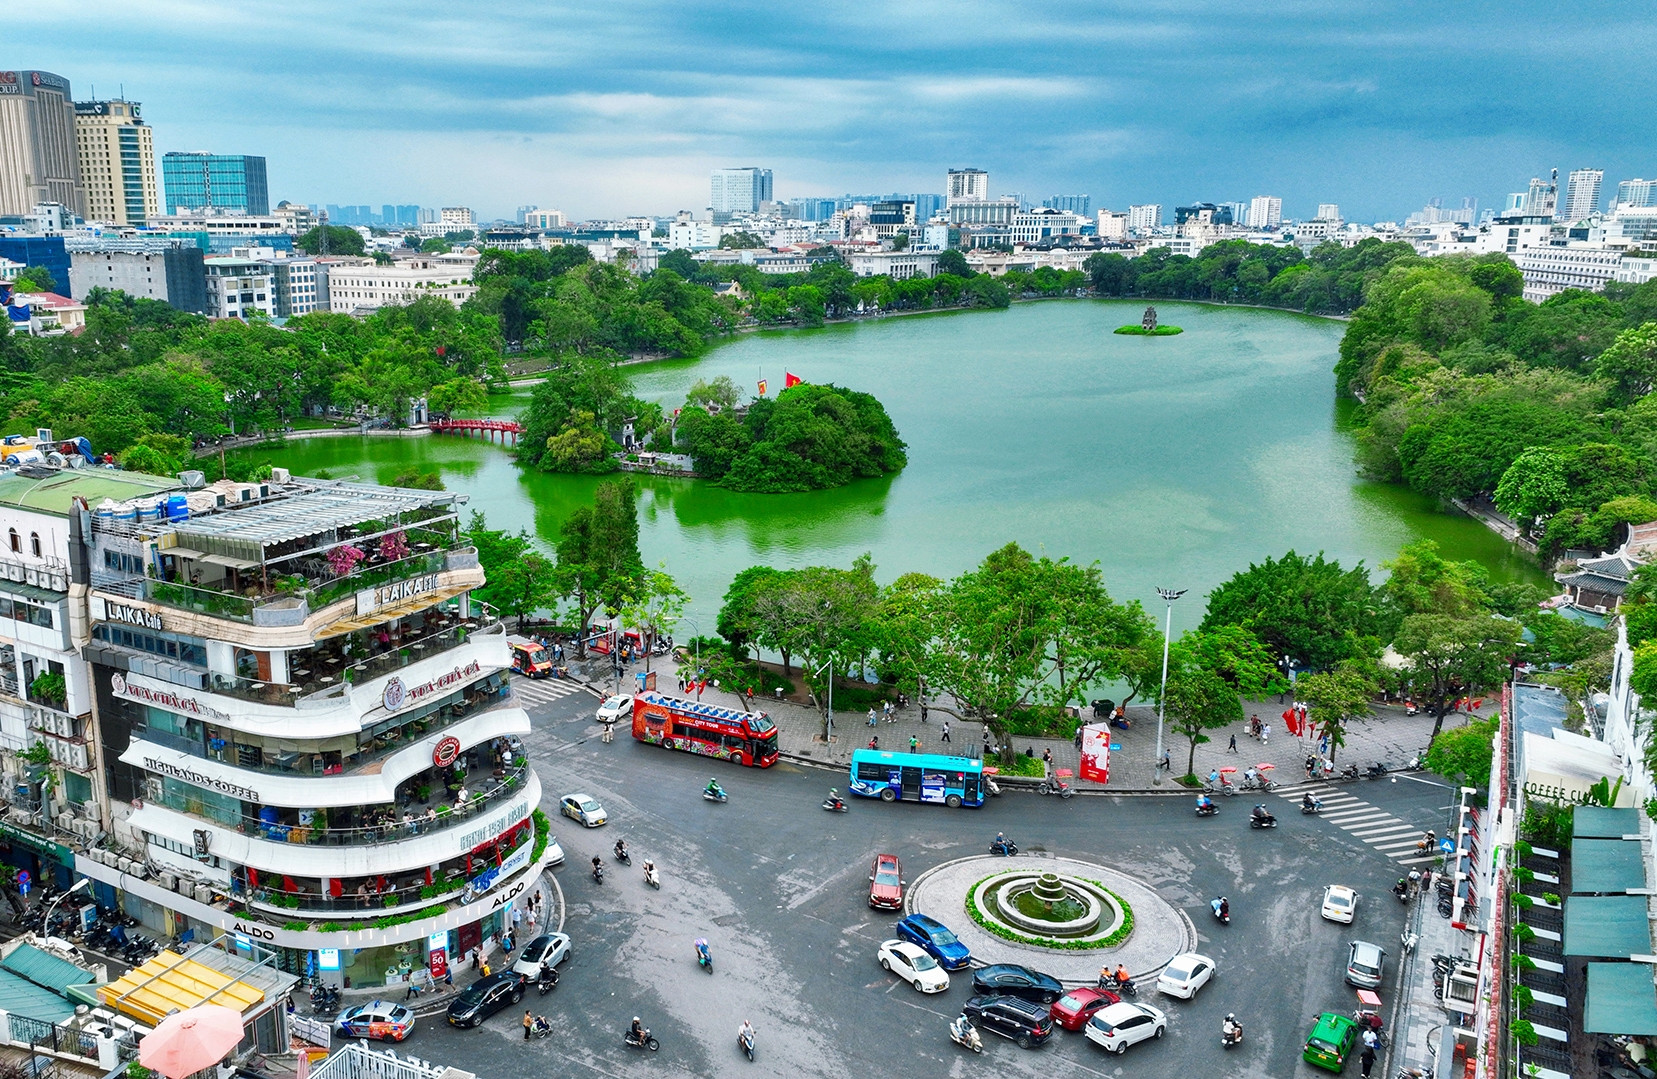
x=1390, y=736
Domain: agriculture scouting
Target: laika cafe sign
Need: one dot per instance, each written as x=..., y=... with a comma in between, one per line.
x=398, y=696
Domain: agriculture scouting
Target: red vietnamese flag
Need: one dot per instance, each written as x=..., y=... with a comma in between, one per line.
x=790, y=380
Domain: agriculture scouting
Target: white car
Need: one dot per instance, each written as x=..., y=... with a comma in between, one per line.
x=1117, y=1026
x=555, y=853
x=911, y=963
x=546, y=950
x=583, y=808
x=1340, y=903
x=1185, y=974
x=616, y=709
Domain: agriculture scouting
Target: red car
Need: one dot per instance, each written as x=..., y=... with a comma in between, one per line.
x=1076, y=1007
x=886, y=883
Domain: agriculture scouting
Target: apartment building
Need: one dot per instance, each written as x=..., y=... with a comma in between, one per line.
x=171, y=270
x=238, y=285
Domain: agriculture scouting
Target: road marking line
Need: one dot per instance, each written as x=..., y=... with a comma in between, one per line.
x=1418, y=861
x=1378, y=836
x=1393, y=850
x=1359, y=817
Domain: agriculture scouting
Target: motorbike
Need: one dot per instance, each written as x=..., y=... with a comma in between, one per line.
x=992, y=786
x=547, y=982
x=1263, y=821
x=1376, y=770
x=1315, y=808
x=1055, y=786
x=598, y=872
x=643, y=1041
x=834, y=805
x=651, y=878
x=704, y=957
x=715, y=795
x=1231, y=1035
x=964, y=1034
x=745, y=1042
x=539, y=1027
x=1349, y=773
x=1006, y=848
x=623, y=857
x=1208, y=810
x=1221, y=909
x=1402, y=891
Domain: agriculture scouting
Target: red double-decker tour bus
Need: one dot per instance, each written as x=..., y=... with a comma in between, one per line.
x=743, y=737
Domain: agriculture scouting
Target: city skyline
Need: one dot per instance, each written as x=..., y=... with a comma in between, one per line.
x=409, y=105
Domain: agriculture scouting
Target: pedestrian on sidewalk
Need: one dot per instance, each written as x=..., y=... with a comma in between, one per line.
x=412, y=990
x=1047, y=763
x=1265, y=733
x=874, y=741
x=872, y=720
x=1166, y=763
x=1232, y=748
x=923, y=712
x=944, y=734
x=914, y=744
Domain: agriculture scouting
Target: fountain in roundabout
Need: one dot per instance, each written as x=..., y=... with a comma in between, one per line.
x=1040, y=906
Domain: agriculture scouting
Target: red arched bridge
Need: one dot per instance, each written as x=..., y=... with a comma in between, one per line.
x=482, y=428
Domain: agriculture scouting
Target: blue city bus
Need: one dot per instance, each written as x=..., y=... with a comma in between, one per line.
x=917, y=777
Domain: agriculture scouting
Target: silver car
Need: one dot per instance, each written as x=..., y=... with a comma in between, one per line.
x=1365, y=964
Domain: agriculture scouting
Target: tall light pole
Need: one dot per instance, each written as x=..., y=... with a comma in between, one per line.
x=80, y=886
x=1169, y=595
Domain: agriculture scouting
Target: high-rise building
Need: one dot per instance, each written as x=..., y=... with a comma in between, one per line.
x=1081, y=205
x=1582, y=193
x=968, y=185
x=1265, y=212
x=1329, y=211
x=812, y=209
x=458, y=216
x=1637, y=193
x=738, y=191
x=1205, y=212
x=229, y=183
x=1145, y=217
x=38, y=159
x=1542, y=200
x=117, y=160
x=1113, y=225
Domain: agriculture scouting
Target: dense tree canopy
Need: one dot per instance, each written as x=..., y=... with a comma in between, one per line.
x=808, y=438
x=1309, y=609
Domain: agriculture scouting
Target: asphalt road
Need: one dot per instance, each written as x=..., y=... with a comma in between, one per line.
x=779, y=889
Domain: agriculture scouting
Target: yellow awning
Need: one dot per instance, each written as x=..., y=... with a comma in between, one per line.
x=168, y=982
x=386, y=614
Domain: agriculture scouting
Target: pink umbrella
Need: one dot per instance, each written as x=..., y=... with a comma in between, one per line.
x=188, y=1041
x=1227, y=771
x=1268, y=766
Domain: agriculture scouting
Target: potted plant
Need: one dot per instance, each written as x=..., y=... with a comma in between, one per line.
x=425, y=793
x=50, y=688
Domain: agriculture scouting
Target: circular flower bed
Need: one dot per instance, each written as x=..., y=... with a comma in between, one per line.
x=1115, y=924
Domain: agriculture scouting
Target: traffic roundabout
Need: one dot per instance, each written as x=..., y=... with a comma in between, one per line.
x=1061, y=915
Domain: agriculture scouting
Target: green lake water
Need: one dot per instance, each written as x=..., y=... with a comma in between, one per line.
x=1172, y=461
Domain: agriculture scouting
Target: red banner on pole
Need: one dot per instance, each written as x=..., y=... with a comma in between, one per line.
x=1096, y=754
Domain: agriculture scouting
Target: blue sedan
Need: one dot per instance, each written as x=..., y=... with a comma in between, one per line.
x=936, y=938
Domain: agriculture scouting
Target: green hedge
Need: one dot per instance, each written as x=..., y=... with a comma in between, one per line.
x=1118, y=936
x=1140, y=331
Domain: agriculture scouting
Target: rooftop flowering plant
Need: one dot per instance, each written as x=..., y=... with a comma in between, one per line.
x=344, y=558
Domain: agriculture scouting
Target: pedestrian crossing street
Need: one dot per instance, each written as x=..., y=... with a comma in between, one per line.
x=1376, y=827
x=542, y=691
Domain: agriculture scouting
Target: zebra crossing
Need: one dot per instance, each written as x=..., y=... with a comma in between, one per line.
x=1390, y=836
x=543, y=691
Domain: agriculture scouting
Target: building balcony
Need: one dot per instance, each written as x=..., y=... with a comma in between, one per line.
x=386, y=738
x=379, y=783
x=329, y=670
x=348, y=853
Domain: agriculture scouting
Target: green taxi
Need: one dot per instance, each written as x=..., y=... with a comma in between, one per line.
x=1332, y=1040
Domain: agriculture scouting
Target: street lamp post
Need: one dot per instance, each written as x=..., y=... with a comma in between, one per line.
x=1169, y=595
x=79, y=886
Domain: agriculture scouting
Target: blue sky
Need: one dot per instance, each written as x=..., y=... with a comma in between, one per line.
x=606, y=107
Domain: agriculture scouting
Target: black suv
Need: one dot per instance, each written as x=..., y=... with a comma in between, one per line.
x=1021, y=1020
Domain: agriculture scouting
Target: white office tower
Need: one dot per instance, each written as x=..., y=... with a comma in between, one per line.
x=1146, y=217
x=1265, y=212
x=1582, y=193
x=967, y=185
